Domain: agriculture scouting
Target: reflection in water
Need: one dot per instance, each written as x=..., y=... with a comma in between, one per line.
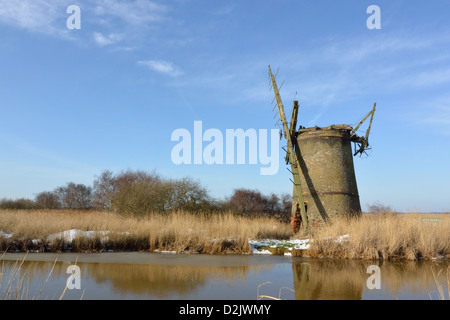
x=347, y=280
x=310, y=279
x=147, y=281
x=164, y=281
x=327, y=280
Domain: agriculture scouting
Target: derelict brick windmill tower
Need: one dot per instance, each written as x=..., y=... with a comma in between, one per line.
x=321, y=161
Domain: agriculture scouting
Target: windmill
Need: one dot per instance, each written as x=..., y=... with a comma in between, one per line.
x=321, y=164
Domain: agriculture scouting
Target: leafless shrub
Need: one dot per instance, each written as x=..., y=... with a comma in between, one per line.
x=140, y=193
x=17, y=204
x=103, y=190
x=47, y=200
x=378, y=208
x=253, y=203
x=74, y=196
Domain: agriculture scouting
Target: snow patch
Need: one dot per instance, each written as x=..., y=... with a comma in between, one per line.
x=262, y=246
x=5, y=235
x=70, y=235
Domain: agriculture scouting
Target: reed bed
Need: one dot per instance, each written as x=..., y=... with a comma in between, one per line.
x=213, y=233
x=384, y=236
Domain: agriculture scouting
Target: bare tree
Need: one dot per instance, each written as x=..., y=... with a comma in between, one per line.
x=253, y=203
x=246, y=201
x=74, y=196
x=378, y=208
x=138, y=193
x=17, y=204
x=47, y=200
x=271, y=204
x=187, y=194
x=104, y=187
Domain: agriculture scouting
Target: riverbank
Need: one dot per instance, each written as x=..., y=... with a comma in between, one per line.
x=93, y=231
x=385, y=236
x=372, y=237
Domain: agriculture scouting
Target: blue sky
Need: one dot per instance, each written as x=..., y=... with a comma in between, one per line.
x=109, y=95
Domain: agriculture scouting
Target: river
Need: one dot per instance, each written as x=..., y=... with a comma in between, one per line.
x=159, y=276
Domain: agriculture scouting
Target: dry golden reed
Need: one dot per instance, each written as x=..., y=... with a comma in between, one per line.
x=385, y=236
x=214, y=233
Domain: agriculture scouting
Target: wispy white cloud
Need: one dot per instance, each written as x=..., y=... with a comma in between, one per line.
x=224, y=10
x=49, y=17
x=126, y=22
x=436, y=112
x=43, y=159
x=433, y=115
x=349, y=68
x=332, y=72
x=356, y=50
x=38, y=16
x=442, y=116
x=430, y=78
x=161, y=66
x=104, y=40
x=137, y=12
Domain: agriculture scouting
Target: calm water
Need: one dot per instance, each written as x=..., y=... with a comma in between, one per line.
x=111, y=276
